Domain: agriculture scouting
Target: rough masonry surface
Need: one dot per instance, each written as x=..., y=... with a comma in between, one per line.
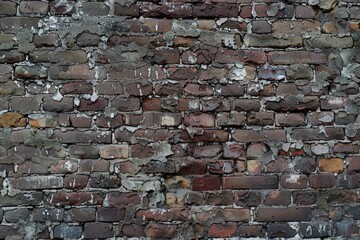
x=182, y=119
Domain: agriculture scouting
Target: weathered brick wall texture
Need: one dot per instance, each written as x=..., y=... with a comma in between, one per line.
x=179, y=119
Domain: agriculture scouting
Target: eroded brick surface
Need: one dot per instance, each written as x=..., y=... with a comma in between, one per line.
x=179, y=119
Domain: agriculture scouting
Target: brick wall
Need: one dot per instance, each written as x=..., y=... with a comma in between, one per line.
x=179, y=118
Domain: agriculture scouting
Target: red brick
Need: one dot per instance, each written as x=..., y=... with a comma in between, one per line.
x=354, y=164
x=294, y=181
x=206, y=183
x=133, y=10
x=117, y=199
x=222, y=230
x=199, y=120
x=216, y=10
x=164, y=215
x=322, y=180
x=243, y=56
x=278, y=198
x=157, y=230
x=289, y=214
x=75, y=198
x=250, y=182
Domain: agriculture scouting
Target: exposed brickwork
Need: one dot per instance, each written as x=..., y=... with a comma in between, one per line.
x=179, y=119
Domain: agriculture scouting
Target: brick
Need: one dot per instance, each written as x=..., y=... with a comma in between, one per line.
x=260, y=118
x=298, y=71
x=37, y=182
x=67, y=57
x=82, y=137
x=75, y=181
x=15, y=24
x=289, y=119
x=66, y=104
x=126, y=104
x=230, y=90
x=320, y=118
x=81, y=214
x=294, y=181
x=200, y=120
x=345, y=148
x=157, y=230
x=11, y=57
x=219, y=198
x=34, y=7
x=280, y=230
x=164, y=57
x=95, y=8
x=110, y=214
x=164, y=215
x=170, y=10
x=215, y=104
x=16, y=215
x=221, y=166
x=88, y=105
x=293, y=104
x=48, y=214
x=334, y=165
x=250, y=182
x=75, y=198
x=250, y=231
x=263, y=136
x=67, y=231
x=326, y=41
x=322, y=180
x=246, y=105
x=288, y=214
x=309, y=134
x=114, y=151
x=261, y=27
x=240, y=56
x=278, y=198
x=333, y=102
x=86, y=39
x=117, y=199
x=265, y=40
x=42, y=121
x=304, y=164
x=247, y=198
x=94, y=166
x=216, y=10
x=198, y=90
x=209, y=151
x=10, y=119
x=299, y=27
x=46, y=40
x=206, y=183
x=64, y=166
x=104, y=181
x=315, y=230
x=192, y=167
x=353, y=164
x=304, y=198
x=34, y=198
x=231, y=119
x=34, y=72
x=98, y=230
x=294, y=57
x=133, y=230
x=132, y=10
x=7, y=8
x=84, y=152
x=77, y=72
x=222, y=230
x=8, y=231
